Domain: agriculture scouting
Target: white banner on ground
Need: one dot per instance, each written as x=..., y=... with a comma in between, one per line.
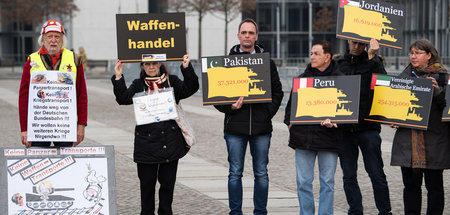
x=52, y=107
x=57, y=181
x=155, y=107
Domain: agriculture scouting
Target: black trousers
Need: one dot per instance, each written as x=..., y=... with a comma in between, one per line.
x=166, y=174
x=412, y=193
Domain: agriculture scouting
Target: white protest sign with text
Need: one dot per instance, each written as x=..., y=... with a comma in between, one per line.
x=155, y=107
x=72, y=180
x=52, y=107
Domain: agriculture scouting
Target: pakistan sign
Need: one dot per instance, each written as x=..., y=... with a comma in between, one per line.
x=227, y=78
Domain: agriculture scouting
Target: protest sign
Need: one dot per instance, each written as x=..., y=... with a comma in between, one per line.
x=405, y=102
x=446, y=112
x=155, y=107
x=315, y=99
x=226, y=78
x=151, y=37
x=72, y=180
x=366, y=19
x=52, y=107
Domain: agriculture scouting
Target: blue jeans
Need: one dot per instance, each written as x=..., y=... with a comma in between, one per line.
x=370, y=144
x=259, y=149
x=304, y=163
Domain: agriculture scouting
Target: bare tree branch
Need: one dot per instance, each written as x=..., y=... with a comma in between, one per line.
x=324, y=20
x=35, y=11
x=201, y=7
x=230, y=10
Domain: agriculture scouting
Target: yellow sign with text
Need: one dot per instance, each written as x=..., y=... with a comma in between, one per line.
x=322, y=102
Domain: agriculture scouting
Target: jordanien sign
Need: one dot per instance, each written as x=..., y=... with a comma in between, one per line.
x=380, y=8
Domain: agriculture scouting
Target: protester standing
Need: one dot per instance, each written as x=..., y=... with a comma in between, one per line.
x=364, y=136
x=53, y=56
x=250, y=124
x=323, y=141
x=157, y=146
x=424, y=153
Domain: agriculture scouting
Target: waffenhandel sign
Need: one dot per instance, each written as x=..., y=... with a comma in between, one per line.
x=148, y=37
x=405, y=102
x=226, y=78
x=63, y=181
x=315, y=99
x=366, y=19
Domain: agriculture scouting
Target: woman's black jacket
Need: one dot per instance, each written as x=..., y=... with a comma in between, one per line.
x=159, y=142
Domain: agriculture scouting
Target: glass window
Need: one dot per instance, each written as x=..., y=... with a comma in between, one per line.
x=265, y=17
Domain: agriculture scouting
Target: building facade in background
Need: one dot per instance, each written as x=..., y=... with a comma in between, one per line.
x=94, y=28
x=283, y=29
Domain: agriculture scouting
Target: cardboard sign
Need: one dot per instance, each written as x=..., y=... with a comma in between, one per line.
x=147, y=37
x=366, y=19
x=226, y=78
x=52, y=107
x=73, y=180
x=315, y=99
x=446, y=112
x=155, y=107
x=405, y=102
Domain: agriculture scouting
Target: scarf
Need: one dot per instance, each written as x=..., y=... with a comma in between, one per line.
x=55, y=58
x=417, y=136
x=326, y=72
x=155, y=83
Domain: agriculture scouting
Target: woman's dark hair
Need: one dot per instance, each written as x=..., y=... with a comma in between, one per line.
x=162, y=69
x=428, y=47
x=327, y=49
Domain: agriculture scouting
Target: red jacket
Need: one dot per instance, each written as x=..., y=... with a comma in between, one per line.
x=82, y=101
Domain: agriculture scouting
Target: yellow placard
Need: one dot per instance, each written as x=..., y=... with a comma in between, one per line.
x=323, y=102
x=232, y=82
x=370, y=24
x=395, y=104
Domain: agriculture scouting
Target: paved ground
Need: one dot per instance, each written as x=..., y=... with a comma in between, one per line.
x=202, y=174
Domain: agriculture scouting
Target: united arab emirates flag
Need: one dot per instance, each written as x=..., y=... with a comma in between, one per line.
x=380, y=80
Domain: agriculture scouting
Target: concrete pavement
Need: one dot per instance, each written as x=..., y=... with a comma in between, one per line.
x=202, y=174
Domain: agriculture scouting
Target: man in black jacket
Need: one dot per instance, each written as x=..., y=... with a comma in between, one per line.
x=365, y=134
x=250, y=123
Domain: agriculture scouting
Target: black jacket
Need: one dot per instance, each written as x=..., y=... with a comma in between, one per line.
x=437, y=146
x=163, y=141
x=253, y=119
x=361, y=65
x=313, y=137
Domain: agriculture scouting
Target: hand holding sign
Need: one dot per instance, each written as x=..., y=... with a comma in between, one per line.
x=374, y=46
x=24, y=139
x=327, y=123
x=186, y=60
x=118, y=68
x=435, y=84
x=238, y=104
x=80, y=135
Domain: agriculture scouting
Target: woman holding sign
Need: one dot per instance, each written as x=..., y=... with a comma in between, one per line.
x=158, y=145
x=424, y=154
x=310, y=141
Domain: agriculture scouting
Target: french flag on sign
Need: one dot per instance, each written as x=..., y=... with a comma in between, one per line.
x=302, y=83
